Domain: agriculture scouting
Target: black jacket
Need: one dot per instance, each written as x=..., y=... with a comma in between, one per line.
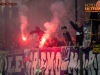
x=79, y=33
x=94, y=15
x=39, y=32
x=67, y=38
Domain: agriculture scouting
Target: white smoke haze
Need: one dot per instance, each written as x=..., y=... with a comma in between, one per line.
x=23, y=10
x=58, y=11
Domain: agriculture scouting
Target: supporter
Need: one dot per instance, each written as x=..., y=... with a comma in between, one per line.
x=67, y=36
x=79, y=32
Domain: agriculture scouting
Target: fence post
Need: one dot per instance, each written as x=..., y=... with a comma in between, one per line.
x=81, y=59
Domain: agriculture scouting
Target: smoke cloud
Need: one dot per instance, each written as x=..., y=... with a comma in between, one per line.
x=23, y=10
x=58, y=11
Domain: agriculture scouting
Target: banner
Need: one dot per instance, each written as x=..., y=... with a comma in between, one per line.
x=52, y=61
x=2, y=60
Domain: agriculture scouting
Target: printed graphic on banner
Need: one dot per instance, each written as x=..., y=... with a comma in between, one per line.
x=30, y=61
x=27, y=63
x=14, y=64
x=65, y=53
x=51, y=63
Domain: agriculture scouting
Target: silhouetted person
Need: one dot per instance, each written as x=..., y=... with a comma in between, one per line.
x=67, y=36
x=97, y=36
x=79, y=32
x=38, y=31
x=95, y=23
x=95, y=16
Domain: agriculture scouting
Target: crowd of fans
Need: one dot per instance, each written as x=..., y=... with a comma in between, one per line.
x=13, y=30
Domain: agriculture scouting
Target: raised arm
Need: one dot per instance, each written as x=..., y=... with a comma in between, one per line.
x=74, y=25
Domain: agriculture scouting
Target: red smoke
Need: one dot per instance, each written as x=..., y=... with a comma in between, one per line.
x=50, y=29
x=58, y=11
x=23, y=11
x=23, y=26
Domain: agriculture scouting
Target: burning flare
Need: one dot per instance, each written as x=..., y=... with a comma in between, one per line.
x=23, y=11
x=43, y=40
x=58, y=11
x=24, y=38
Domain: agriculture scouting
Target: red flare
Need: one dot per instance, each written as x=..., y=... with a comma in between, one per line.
x=43, y=40
x=24, y=38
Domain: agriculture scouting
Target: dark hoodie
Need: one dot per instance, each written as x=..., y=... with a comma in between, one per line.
x=38, y=31
x=79, y=33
